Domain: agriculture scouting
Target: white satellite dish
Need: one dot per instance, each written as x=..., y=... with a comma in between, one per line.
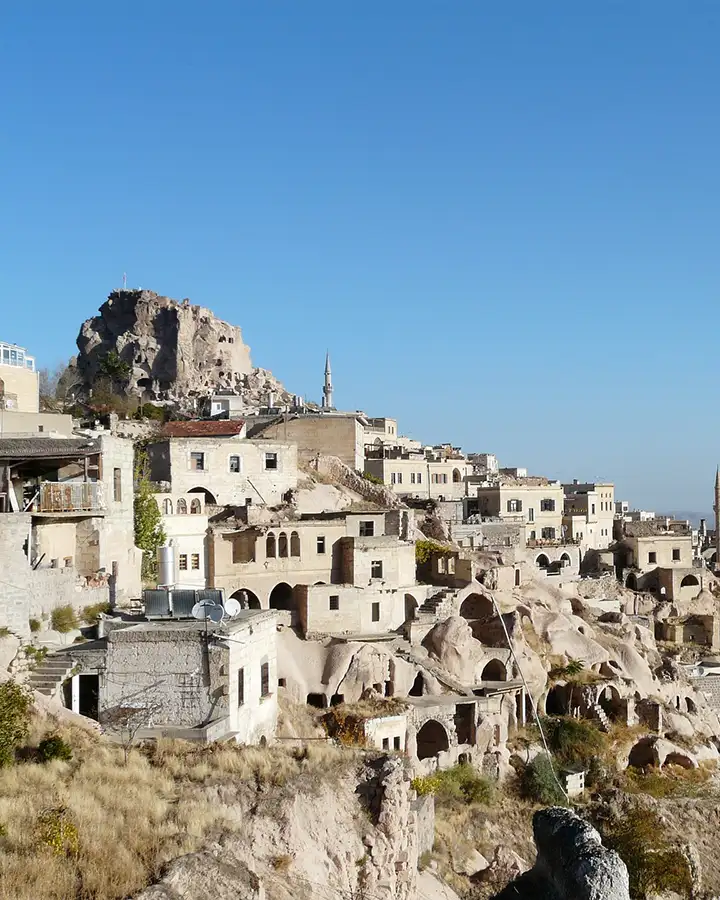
x=202, y=609
x=216, y=614
x=232, y=607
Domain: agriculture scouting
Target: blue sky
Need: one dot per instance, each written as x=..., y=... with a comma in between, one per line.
x=501, y=219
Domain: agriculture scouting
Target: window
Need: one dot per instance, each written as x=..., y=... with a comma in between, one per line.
x=241, y=687
x=182, y=562
x=195, y=507
x=412, y=478
x=68, y=561
x=514, y=506
x=117, y=485
x=376, y=569
x=235, y=464
x=548, y=534
x=392, y=478
x=441, y=565
x=451, y=565
x=167, y=507
x=271, y=461
x=181, y=507
x=376, y=612
x=547, y=506
x=386, y=743
x=399, y=477
x=282, y=544
x=367, y=529
x=195, y=561
x=445, y=478
x=197, y=462
x=652, y=557
x=294, y=544
x=531, y=515
x=593, y=509
x=676, y=554
x=320, y=543
x=265, y=680
x=419, y=477
x=334, y=602
x=270, y=547
x=396, y=742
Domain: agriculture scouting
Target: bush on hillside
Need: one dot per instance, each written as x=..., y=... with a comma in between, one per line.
x=54, y=747
x=538, y=782
x=461, y=783
x=91, y=614
x=15, y=703
x=63, y=619
x=573, y=741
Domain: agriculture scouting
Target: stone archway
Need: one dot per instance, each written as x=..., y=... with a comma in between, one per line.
x=432, y=739
x=631, y=582
x=494, y=671
x=209, y=496
x=477, y=606
x=542, y=561
x=565, y=560
x=610, y=701
x=411, y=607
x=281, y=597
x=247, y=599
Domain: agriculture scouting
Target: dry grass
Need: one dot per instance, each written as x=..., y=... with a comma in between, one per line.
x=132, y=819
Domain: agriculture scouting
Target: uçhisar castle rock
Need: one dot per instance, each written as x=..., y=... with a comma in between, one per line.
x=177, y=352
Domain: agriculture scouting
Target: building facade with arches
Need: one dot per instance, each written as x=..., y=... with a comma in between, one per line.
x=185, y=522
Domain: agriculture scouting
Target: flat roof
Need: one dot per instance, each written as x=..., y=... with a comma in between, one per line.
x=191, y=628
x=38, y=447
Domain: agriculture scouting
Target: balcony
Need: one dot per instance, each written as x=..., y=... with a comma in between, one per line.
x=68, y=497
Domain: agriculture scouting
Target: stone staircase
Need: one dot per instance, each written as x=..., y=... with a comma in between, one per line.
x=50, y=674
x=440, y=606
x=602, y=718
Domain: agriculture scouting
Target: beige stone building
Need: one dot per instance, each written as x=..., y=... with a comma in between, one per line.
x=327, y=431
x=19, y=380
x=428, y=474
x=662, y=564
x=185, y=521
x=589, y=514
x=534, y=502
x=215, y=458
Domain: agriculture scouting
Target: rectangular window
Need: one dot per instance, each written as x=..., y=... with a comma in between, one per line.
x=514, y=506
x=445, y=481
x=320, y=543
x=547, y=506
x=182, y=562
x=197, y=462
x=117, y=485
x=271, y=461
x=441, y=565
x=386, y=743
x=419, y=477
x=367, y=529
x=676, y=554
x=235, y=464
x=376, y=612
x=241, y=686
x=376, y=569
x=652, y=557
x=412, y=478
x=593, y=509
x=548, y=534
x=195, y=561
x=265, y=680
x=396, y=742
x=531, y=515
x=392, y=478
x=334, y=602
x=399, y=477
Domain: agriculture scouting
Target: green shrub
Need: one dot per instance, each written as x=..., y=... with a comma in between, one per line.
x=538, y=782
x=373, y=479
x=91, y=614
x=36, y=654
x=4, y=631
x=654, y=865
x=573, y=741
x=63, y=619
x=462, y=783
x=35, y=625
x=15, y=703
x=426, y=547
x=54, y=747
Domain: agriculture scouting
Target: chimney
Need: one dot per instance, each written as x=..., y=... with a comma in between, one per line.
x=271, y=399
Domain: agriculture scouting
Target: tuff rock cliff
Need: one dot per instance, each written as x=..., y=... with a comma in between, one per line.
x=163, y=350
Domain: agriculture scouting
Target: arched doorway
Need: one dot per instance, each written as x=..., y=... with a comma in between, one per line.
x=631, y=582
x=612, y=704
x=281, y=597
x=565, y=560
x=418, y=688
x=247, y=599
x=494, y=671
x=542, y=561
x=689, y=587
x=209, y=496
x=476, y=606
x=457, y=477
x=411, y=606
x=556, y=702
x=431, y=739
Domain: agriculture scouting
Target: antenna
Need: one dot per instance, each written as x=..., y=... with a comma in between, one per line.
x=124, y=281
x=232, y=608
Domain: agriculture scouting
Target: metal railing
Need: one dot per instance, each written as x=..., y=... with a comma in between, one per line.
x=68, y=496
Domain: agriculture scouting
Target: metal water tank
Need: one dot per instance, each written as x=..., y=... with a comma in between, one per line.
x=166, y=566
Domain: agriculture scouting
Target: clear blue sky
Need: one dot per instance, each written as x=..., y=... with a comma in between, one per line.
x=501, y=218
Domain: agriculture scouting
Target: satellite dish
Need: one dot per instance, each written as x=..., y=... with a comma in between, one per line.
x=202, y=609
x=216, y=614
x=232, y=607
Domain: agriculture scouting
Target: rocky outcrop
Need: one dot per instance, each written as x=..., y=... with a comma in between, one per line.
x=157, y=349
x=571, y=863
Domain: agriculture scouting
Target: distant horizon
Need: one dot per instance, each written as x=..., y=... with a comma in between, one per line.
x=501, y=220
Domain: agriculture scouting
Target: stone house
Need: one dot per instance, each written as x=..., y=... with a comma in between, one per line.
x=174, y=679
x=215, y=458
x=589, y=513
x=534, y=502
x=661, y=563
x=185, y=521
x=264, y=565
x=430, y=474
x=79, y=495
x=19, y=380
x=324, y=431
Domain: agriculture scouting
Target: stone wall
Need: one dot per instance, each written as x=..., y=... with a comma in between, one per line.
x=333, y=468
x=340, y=436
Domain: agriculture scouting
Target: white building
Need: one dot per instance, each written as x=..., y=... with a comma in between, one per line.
x=185, y=522
x=590, y=513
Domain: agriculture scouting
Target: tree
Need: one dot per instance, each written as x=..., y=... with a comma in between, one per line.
x=149, y=533
x=132, y=712
x=15, y=703
x=115, y=367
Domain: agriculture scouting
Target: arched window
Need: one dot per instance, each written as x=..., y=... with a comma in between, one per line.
x=195, y=507
x=270, y=550
x=181, y=507
x=294, y=544
x=282, y=544
x=167, y=507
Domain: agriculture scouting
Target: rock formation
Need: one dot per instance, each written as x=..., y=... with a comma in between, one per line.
x=160, y=350
x=571, y=863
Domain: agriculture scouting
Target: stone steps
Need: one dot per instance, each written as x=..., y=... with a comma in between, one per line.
x=602, y=718
x=50, y=674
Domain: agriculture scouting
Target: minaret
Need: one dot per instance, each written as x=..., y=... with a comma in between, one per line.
x=717, y=519
x=327, y=401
